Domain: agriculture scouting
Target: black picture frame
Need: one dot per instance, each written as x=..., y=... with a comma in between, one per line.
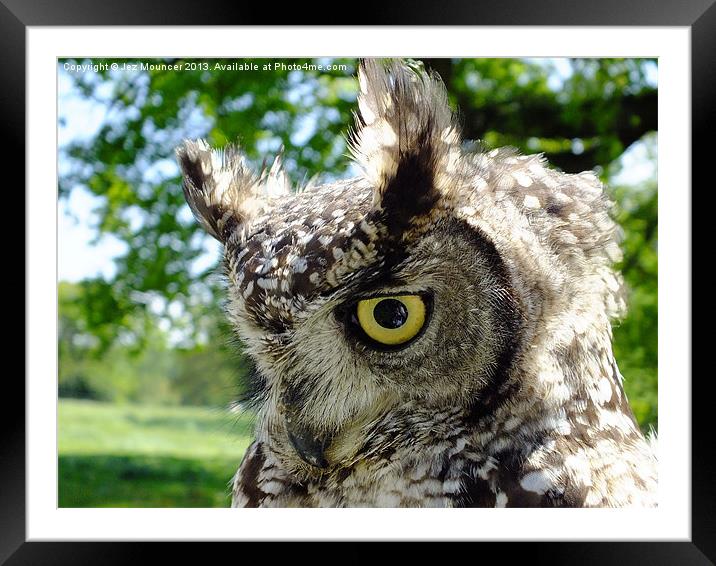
x=698, y=15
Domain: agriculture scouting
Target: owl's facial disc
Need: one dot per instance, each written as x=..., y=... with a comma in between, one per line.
x=433, y=326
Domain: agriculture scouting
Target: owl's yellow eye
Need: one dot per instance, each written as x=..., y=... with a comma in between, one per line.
x=392, y=320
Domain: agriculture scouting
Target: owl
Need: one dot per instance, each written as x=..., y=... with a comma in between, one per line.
x=433, y=333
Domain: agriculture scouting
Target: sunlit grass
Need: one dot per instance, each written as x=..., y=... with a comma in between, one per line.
x=145, y=456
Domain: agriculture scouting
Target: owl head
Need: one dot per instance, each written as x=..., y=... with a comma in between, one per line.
x=441, y=276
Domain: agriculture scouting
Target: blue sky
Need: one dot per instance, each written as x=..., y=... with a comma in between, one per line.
x=80, y=119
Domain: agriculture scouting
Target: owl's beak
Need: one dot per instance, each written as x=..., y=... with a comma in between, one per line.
x=308, y=446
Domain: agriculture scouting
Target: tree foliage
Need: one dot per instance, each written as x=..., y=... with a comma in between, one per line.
x=582, y=116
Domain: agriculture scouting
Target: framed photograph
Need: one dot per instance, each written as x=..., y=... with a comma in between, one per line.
x=358, y=274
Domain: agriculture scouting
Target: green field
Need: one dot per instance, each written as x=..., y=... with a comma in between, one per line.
x=147, y=456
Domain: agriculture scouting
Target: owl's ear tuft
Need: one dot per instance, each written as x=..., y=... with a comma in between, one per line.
x=224, y=194
x=405, y=138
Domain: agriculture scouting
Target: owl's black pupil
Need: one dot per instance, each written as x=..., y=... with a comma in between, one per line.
x=390, y=313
